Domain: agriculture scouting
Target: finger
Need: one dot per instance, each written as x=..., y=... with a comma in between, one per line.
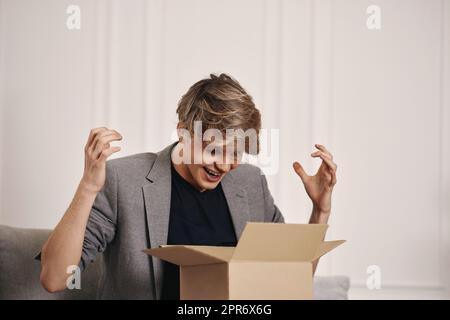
x=101, y=138
x=96, y=135
x=326, y=158
x=322, y=148
x=107, y=152
x=104, y=143
x=299, y=170
x=92, y=134
x=328, y=176
x=333, y=178
x=332, y=167
x=317, y=153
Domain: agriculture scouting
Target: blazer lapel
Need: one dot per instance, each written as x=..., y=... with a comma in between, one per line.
x=157, y=208
x=237, y=203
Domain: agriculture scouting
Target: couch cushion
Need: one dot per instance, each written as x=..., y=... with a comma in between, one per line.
x=19, y=271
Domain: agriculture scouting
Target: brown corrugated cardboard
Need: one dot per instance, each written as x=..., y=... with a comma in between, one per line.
x=270, y=261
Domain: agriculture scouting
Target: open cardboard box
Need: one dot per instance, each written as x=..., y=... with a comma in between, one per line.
x=270, y=261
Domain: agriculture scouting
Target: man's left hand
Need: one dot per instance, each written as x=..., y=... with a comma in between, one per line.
x=319, y=187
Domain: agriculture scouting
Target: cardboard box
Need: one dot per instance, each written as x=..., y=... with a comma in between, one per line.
x=270, y=261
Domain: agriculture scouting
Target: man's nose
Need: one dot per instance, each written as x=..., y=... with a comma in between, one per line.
x=224, y=168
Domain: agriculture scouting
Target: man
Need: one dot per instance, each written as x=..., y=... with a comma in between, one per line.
x=125, y=205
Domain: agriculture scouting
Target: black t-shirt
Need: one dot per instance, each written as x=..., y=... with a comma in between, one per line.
x=196, y=218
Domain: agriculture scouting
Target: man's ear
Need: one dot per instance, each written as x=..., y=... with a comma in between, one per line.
x=180, y=128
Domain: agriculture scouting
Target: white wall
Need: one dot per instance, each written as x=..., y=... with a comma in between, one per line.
x=387, y=133
x=445, y=144
x=378, y=99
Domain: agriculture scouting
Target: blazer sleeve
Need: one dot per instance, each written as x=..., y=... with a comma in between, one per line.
x=101, y=225
x=272, y=213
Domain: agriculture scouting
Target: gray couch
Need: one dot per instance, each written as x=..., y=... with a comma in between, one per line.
x=19, y=272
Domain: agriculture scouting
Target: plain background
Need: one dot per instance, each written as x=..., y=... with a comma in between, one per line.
x=378, y=99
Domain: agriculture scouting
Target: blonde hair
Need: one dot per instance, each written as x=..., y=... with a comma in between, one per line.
x=219, y=102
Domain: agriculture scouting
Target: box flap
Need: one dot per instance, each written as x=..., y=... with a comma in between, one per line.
x=191, y=255
x=327, y=246
x=279, y=242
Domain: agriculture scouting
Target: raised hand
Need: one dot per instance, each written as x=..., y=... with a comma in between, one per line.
x=96, y=151
x=319, y=187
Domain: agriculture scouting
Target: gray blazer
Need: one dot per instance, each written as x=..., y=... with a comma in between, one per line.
x=131, y=213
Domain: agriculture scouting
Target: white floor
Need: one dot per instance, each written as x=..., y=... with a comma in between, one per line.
x=359, y=293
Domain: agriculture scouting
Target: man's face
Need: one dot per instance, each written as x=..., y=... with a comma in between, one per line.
x=214, y=164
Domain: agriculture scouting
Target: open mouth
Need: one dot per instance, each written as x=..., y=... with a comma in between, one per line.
x=212, y=175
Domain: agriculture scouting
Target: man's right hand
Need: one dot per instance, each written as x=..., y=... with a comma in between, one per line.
x=96, y=151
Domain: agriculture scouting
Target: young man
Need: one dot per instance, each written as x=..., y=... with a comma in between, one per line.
x=125, y=205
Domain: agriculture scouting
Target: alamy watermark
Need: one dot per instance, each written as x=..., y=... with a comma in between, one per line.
x=74, y=279
x=373, y=281
x=234, y=146
x=373, y=21
x=73, y=21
